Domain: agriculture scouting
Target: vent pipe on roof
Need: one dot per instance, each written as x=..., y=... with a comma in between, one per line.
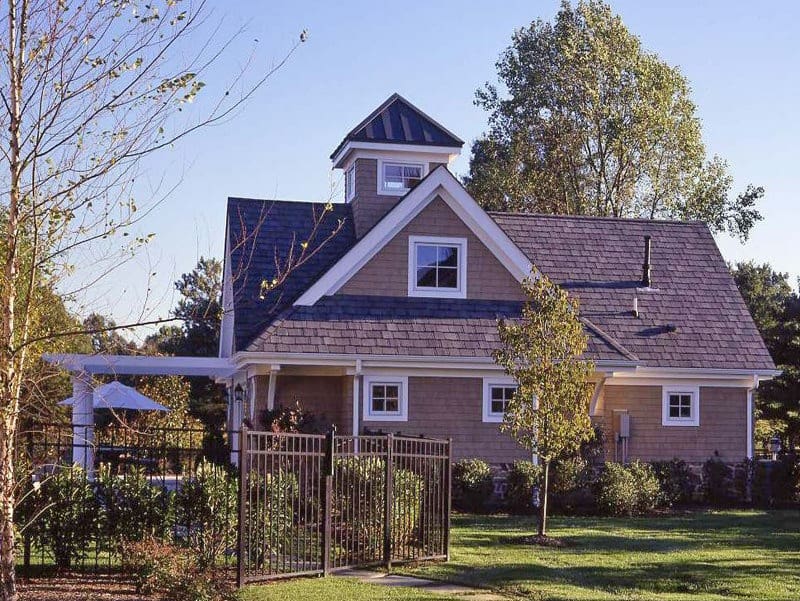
x=646, y=267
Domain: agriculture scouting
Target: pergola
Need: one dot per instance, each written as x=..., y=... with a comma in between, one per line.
x=83, y=367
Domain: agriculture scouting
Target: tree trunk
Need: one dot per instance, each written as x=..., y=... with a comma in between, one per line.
x=543, y=499
x=8, y=590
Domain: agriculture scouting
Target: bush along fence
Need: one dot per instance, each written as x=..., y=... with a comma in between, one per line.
x=579, y=486
x=174, y=508
x=313, y=504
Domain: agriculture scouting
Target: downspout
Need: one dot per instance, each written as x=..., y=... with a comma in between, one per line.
x=750, y=392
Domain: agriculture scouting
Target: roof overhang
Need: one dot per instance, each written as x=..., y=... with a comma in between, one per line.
x=213, y=367
x=447, y=153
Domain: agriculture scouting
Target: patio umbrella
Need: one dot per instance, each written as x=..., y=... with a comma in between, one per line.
x=118, y=396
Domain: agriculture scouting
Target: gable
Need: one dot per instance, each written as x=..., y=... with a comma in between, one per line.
x=386, y=273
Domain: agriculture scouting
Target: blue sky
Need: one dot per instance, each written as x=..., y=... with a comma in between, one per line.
x=741, y=58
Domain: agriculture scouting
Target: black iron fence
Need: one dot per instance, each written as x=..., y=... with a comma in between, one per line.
x=295, y=504
x=312, y=504
x=84, y=491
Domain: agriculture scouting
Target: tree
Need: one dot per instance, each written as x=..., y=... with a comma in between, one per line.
x=543, y=352
x=88, y=88
x=593, y=124
x=775, y=308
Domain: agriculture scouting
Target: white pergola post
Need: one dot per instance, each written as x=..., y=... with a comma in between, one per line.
x=83, y=422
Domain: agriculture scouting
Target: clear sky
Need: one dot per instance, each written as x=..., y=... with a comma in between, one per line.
x=741, y=57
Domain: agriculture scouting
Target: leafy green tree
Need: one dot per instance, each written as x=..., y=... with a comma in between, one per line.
x=775, y=308
x=543, y=352
x=591, y=123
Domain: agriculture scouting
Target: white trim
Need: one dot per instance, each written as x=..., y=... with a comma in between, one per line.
x=350, y=187
x=681, y=389
x=143, y=365
x=273, y=376
x=598, y=388
x=382, y=191
x=448, y=153
x=227, y=324
x=431, y=292
x=488, y=383
x=750, y=406
x=439, y=183
x=402, y=414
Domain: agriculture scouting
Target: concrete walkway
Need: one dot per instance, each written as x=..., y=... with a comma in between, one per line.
x=429, y=586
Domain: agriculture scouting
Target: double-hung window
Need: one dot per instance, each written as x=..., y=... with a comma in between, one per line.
x=398, y=178
x=385, y=399
x=437, y=267
x=350, y=182
x=497, y=394
x=680, y=406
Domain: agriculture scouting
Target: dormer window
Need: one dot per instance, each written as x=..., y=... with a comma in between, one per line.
x=350, y=183
x=437, y=267
x=398, y=178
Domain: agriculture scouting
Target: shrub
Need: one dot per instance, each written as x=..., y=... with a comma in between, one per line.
x=174, y=574
x=627, y=490
x=571, y=481
x=362, y=483
x=776, y=483
x=270, y=504
x=69, y=517
x=206, y=506
x=472, y=485
x=134, y=508
x=677, y=481
x=521, y=482
x=717, y=482
x=294, y=419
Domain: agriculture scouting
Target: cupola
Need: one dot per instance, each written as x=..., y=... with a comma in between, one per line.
x=387, y=154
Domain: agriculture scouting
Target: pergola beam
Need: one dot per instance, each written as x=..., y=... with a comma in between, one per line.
x=212, y=367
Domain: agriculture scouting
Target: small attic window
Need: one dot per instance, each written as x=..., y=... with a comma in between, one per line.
x=350, y=183
x=437, y=267
x=399, y=178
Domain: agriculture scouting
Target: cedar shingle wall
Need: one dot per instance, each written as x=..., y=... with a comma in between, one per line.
x=723, y=425
x=322, y=395
x=453, y=408
x=386, y=274
x=369, y=206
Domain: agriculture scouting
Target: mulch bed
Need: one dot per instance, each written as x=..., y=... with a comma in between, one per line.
x=78, y=586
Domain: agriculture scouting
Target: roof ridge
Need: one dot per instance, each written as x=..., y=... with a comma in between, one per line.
x=597, y=218
x=292, y=201
x=613, y=342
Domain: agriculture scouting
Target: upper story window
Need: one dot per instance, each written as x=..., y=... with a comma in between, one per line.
x=497, y=394
x=398, y=178
x=680, y=406
x=350, y=182
x=385, y=399
x=437, y=267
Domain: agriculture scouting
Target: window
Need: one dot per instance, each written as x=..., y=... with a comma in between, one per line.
x=398, y=178
x=385, y=399
x=437, y=267
x=680, y=406
x=350, y=182
x=496, y=396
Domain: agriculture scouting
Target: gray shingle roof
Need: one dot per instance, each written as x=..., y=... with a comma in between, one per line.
x=600, y=262
x=397, y=121
x=694, y=319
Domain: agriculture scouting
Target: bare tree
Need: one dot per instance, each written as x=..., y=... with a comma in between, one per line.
x=88, y=89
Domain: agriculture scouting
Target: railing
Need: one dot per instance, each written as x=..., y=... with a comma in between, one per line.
x=313, y=504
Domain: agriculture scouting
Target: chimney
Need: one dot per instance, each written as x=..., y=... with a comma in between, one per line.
x=646, y=279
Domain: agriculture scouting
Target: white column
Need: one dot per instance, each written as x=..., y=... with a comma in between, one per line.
x=83, y=422
x=750, y=408
x=273, y=377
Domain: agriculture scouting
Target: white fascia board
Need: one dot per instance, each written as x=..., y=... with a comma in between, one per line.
x=227, y=324
x=144, y=366
x=440, y=183
x=709, y=373
x=339, y=158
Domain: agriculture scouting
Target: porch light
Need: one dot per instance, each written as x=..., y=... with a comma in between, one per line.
x=774, y=447
x=238, y=393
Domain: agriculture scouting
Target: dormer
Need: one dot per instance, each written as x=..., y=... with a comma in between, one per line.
x=387, y=154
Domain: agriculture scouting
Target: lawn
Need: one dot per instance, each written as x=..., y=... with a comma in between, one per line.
x=698, y=556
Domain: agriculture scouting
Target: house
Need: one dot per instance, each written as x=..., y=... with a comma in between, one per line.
x=391, y=323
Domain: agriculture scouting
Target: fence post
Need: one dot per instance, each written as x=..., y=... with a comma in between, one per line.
x=327, y=508
x=448, y=498
x=241, y=543
x=388, y=498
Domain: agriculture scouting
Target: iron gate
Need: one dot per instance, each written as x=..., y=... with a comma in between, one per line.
x=310, y=504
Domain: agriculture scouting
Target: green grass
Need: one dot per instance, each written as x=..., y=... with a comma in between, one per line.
x=699, y=556
x=703, y=556
x=334, y=589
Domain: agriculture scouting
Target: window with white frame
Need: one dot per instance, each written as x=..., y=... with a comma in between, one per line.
x=680, y=406
x=437, y=267
x=385, y=398
x=497, y=394
x=350, y=182
x=399, y=178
